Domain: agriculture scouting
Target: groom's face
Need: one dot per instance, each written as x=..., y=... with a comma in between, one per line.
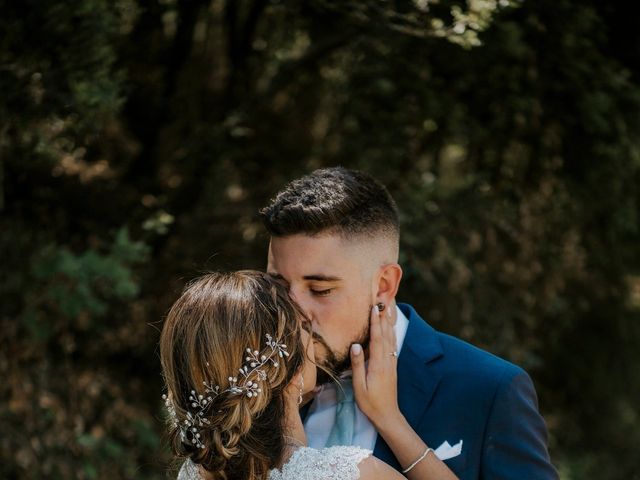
x=331, y=280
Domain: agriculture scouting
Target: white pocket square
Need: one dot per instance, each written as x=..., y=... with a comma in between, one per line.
x=446, y=451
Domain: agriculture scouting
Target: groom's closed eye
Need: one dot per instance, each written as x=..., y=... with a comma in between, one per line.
x=321, y=292
x=326, y=285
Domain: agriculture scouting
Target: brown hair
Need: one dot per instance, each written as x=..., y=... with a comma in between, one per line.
x=337, y=199
x=204, y=338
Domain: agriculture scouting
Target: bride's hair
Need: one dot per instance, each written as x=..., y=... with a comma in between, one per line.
x=205, y=339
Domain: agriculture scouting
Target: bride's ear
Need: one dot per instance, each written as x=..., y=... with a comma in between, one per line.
x=293, y=388
x=296, y=379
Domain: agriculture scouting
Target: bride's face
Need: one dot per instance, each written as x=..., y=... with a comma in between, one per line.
x=309, y=368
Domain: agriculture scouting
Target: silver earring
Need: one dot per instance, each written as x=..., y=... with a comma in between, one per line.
x=301, y=388
x=380, y=306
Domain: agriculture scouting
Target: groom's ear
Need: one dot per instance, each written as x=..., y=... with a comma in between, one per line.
x=388, y=282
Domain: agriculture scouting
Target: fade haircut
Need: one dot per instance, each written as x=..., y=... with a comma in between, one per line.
x=337, y=200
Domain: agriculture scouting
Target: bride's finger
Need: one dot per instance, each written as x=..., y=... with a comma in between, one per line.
x=384, y=329
x=389, y=342
x=358, y=368
x=392, y=333
x=376, y=343
x=389, y=346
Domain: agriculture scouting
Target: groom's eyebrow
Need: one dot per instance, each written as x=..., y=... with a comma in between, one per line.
x=316, y=277
x=322, y=278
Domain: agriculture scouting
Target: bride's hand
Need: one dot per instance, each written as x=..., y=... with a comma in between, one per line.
x=375, y=386
x=375, y=389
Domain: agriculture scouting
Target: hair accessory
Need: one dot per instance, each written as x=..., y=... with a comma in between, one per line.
x=300, y=391
x=248, y=384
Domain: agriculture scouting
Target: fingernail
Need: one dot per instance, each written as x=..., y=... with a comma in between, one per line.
x=356, y=349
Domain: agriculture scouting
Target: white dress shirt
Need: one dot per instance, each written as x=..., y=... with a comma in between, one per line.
x=322, y=412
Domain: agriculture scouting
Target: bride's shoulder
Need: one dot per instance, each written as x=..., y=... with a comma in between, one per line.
x=313, y=464
x=372, y=468
x=348, y=454
x=345, y=463
x=361, y=463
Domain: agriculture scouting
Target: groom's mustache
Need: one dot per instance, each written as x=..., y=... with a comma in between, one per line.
x=330, y=360
x=328, y=367
x=333, y=361
x=317, y=338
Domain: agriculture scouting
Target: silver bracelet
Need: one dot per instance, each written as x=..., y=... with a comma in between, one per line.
x=426, y=452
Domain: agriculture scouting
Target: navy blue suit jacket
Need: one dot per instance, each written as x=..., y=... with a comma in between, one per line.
x=450, y=390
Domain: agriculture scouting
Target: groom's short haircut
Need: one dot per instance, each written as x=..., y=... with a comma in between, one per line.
x=337, y=200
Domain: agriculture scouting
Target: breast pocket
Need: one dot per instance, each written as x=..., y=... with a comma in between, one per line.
x=457, y=464
x=457, y=453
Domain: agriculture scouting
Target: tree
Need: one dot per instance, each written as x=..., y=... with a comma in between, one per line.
x=138, y=139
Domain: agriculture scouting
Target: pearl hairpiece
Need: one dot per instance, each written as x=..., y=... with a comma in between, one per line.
x=198, y=403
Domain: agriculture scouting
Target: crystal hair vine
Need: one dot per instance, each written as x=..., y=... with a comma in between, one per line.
x=247, y=383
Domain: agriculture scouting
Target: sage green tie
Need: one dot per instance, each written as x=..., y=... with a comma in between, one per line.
x=343, y=427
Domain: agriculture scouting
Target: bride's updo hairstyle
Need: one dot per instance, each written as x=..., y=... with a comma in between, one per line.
x=205, y=340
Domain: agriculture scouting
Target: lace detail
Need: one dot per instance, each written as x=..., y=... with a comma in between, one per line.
x=333, y=463
x=339, y=463
x=189, y=471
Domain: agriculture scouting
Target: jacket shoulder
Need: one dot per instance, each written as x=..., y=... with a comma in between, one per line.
x=456, y=358
x=474, y=358
x=469, y=370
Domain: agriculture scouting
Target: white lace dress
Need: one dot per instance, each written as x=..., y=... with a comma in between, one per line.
x=333, y=463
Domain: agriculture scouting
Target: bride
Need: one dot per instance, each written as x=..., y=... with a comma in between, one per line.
x=237, y=358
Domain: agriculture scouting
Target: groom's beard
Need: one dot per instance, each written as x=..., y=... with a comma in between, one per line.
x=338, y=362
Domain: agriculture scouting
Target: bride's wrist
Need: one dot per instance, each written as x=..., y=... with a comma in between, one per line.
x=390, y=424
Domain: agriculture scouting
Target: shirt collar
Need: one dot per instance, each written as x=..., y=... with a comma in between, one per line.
x=401, y=326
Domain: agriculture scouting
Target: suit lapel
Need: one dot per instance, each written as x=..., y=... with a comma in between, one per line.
x=418, y=378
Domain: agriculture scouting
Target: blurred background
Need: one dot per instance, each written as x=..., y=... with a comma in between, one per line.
x=138, y=139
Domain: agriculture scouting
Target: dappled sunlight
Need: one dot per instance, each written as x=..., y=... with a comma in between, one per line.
x=140, y=139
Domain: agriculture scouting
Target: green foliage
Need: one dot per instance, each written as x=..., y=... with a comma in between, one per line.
x=507, y=134
x=81, y=287
x=58, y=59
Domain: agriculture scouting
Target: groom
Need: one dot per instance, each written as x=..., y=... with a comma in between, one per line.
x=334, y=240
